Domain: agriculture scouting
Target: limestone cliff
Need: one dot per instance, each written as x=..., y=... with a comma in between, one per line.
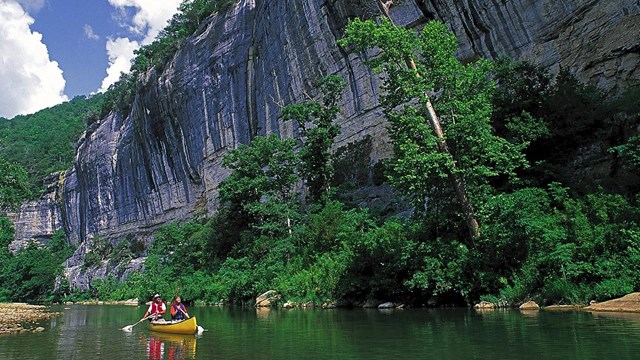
x=161, y=162
x=596, y=40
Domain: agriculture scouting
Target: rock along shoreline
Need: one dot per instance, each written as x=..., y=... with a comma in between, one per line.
x=629, y=303
x=17, y=317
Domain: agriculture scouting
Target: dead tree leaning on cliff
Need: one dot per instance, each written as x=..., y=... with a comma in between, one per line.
x=456, y=180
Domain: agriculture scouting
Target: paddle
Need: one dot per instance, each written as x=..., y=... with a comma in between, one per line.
x=200, y=328
x=182, y=311
x=128, y=328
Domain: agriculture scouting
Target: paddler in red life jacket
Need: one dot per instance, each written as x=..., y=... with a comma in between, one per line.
x=156, y=309
x=177, y=310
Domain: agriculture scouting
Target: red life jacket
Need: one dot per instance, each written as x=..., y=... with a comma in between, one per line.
x=156, y=308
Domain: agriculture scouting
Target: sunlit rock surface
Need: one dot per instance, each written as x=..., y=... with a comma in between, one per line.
x=38, y=220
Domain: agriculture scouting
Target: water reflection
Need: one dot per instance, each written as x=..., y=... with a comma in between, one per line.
x=94, y=332
x=162, y=346
x=629, y=316
x=263, y=312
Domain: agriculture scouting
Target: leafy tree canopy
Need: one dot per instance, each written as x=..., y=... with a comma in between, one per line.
x=461, y=95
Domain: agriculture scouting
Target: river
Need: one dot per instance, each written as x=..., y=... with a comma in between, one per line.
x=94, y=332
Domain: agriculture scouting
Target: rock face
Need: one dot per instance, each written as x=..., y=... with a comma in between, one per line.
x=599, y=41
x=38, y=220
x=161, y=162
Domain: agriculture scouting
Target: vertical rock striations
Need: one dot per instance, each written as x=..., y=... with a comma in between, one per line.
x=38, y=220
x=599, y=41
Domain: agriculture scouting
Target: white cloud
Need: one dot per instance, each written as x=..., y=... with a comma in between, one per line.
x=29, y=80
x=88, y=31
x=150, y=17
x=31, y=5
x=120, y=53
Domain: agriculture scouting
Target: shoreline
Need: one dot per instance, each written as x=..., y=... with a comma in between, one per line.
x=16, y=317
x=629, y=303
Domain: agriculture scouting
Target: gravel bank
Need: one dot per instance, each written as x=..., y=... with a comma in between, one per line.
x=20, y=318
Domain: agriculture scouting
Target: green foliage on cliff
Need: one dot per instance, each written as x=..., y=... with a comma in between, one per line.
x=45, y=142
x=315, y=121
x=630, y=153
x=14, y=187
x=575, y=126
x=183, y=24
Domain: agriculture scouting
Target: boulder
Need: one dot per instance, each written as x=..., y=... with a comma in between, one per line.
x=371, y=303
x=387, y=305
x=484, y=305
x=530, y=305
x=627, y=303
x=267, y=299
x=290, y=305
x=329, y=305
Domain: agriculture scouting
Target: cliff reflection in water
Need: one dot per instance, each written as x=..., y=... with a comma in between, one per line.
x=162, y=346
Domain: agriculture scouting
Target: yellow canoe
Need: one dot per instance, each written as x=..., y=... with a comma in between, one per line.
x=188, y=326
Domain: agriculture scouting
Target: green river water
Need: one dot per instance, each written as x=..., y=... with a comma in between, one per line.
x=93, y=332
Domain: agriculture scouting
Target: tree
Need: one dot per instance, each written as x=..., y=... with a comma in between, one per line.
x=459, y=146
x=629, y=152
x=519, y=100
x=316, y=122
x=13, y=185
x=264, y=173
x=6, y=237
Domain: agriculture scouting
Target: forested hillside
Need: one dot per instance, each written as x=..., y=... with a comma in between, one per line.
x=45, y=142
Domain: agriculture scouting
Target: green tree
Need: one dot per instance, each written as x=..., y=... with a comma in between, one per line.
x=260, y=187
x=30, y=274
x=437, y=82
x=14, y=187
x=318, y=130
x=519, y=100
x=630, y=153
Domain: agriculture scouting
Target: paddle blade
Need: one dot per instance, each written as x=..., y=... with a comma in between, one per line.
x=200, y=330
x=127, y=328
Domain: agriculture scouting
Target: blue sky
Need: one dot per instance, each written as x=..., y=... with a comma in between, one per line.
x=53, y=50
x=83, y=59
